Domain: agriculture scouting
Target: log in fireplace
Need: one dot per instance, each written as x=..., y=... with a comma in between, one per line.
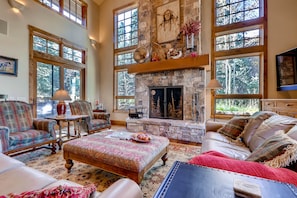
x=166, y=102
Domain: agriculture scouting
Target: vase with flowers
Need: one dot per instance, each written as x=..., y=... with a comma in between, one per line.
x=189, y=30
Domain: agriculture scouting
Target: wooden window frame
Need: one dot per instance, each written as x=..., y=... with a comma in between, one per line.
x=261, y=50
x=35, y=56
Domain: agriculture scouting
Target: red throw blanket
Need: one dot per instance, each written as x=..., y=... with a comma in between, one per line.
x=218, y=160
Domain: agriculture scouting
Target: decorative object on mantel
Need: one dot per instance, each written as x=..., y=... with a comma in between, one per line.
x=189, y=30
x=141, y=54
x=174, y=54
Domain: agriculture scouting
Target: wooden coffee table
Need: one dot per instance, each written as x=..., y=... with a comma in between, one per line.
x=113, y=153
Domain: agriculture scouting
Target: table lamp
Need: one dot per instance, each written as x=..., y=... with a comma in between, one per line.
x=61, y=95
x=214, y=85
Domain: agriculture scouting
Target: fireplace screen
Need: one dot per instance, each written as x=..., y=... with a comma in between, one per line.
x=166, y=102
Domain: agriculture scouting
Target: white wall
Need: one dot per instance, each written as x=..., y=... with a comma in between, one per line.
x=16, y=43
x=106, y=54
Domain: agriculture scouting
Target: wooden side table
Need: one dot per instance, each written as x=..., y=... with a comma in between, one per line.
x=99, y=110
x=76, y=119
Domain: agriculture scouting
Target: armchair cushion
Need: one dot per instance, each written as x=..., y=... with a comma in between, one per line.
x=16, y=115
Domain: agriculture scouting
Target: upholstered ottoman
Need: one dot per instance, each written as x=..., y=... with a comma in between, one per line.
x=116, y=153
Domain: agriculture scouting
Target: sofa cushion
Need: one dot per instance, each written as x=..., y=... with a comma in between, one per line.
x=35, y=180
x=7, y=163
x=278, y=150
x=234, y=127
x=269, y=127
x=62, y=191
x=255, y=121
x=217, y=160
x=234, y=149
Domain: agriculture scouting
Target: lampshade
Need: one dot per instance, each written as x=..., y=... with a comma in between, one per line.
x=214, y=84
x=61, y=95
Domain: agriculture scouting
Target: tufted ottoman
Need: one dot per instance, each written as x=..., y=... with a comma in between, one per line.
x=116, y=154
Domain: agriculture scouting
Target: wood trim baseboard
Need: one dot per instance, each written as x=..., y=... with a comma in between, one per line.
x=118, y=122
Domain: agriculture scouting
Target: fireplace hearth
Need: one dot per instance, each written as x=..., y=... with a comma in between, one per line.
x=166, y=102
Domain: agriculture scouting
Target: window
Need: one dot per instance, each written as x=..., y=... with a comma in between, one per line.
x=74, y=10
x=239, y=51
x=126, y=34
x=55, y=66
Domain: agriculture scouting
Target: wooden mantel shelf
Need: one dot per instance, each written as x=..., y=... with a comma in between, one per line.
x=170, y=64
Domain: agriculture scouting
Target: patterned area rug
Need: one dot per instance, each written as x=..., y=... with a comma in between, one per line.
x=84, y=174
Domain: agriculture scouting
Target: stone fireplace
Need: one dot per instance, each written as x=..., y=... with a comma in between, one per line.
x=166, y=102
x=192, y=93
x=155, y=82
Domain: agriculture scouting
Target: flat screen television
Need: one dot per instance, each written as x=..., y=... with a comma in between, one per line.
x=286, y=70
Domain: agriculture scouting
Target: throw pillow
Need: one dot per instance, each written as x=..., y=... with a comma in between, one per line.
x=62, y=191
x=255, y=121
x=269, y=127
x=234, y=127
x=277, y=151
x=217, y=160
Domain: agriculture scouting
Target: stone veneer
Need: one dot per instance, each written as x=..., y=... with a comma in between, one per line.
x=184, y=130
x=192, y=81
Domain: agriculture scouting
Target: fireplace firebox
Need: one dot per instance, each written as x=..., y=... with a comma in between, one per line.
x=166, y=102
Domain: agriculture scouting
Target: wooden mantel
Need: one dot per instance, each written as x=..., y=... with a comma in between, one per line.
x=170, y=64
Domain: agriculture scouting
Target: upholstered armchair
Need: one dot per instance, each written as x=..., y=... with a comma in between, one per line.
x=19, y=131
x=96, y=120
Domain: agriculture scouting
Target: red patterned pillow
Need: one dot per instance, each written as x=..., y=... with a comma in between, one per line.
x=234, y=127
x=59, y=192
x=218, y=160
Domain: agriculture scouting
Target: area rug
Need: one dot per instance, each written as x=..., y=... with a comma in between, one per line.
x=84, y=174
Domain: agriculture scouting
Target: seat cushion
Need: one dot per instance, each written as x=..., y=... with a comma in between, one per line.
x=28, y=137
x=233, y=149
x=218, y=160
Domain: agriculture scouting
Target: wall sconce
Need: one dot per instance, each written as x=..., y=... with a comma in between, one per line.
x=16, y=4
x=213, y=85
x=93, y=42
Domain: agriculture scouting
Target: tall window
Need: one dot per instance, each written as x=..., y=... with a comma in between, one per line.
x=126, y=41
x=75, y=10
x=54, y=65
x=239, y=53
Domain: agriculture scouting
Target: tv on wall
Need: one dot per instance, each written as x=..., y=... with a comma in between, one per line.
x=286, y=70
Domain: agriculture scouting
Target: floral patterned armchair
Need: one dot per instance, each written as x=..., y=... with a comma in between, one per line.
x=19, y=131
x=96, y=120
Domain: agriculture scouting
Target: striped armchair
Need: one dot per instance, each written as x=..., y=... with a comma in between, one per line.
x=19, y=131
x=96, y=120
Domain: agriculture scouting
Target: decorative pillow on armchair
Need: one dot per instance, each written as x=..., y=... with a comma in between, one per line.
x=234, y=127
x=278, y=150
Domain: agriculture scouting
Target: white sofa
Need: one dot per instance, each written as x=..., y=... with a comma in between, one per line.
x=16, y=177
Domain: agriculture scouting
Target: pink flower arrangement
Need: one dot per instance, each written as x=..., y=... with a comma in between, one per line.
x=190, y=27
